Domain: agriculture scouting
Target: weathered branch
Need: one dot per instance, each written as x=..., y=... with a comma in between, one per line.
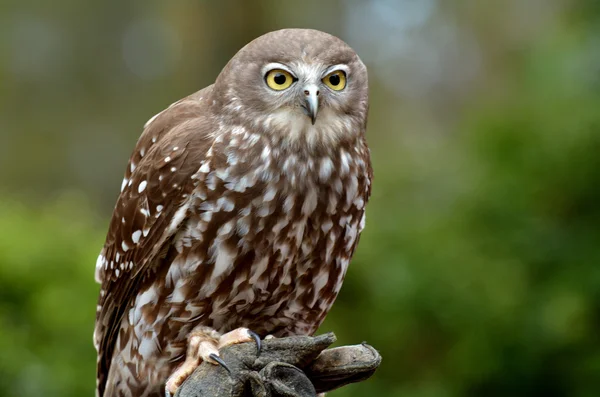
x=297, y=366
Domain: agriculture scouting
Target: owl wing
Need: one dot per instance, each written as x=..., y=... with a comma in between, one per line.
x=150, y=209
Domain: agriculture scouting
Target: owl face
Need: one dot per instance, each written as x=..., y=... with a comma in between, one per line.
x=297, y=85
x=305, y=87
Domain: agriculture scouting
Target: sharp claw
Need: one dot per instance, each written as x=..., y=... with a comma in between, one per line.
x=167, y=394
x=257, y=340
x=219, y=361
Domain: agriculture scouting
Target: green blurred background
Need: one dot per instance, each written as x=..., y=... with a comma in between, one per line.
x=478, y=273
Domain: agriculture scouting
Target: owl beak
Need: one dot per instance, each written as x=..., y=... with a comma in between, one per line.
x=311, y=106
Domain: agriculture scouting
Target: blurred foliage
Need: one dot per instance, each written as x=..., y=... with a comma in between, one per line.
x=478, y=273
x=47, y=296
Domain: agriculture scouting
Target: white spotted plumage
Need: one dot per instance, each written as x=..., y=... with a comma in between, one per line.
x=232, y=215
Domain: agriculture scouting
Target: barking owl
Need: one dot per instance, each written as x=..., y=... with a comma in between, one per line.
x=240, y=209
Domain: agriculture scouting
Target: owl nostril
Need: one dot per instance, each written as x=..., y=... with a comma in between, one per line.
x=318, y=93
x=306, y=92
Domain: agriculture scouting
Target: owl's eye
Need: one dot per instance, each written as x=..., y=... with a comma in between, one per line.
x=279, y=79
x=335, y=80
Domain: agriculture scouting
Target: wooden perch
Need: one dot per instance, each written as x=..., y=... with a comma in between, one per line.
x=297, y=366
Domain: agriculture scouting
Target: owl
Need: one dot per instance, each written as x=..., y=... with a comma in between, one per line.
x=241, y=207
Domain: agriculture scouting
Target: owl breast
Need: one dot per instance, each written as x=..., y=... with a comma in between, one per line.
x=273, y=257
x=264, y=245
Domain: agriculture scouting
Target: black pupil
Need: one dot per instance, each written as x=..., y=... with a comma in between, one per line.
x=280, y=79
x=334, y=79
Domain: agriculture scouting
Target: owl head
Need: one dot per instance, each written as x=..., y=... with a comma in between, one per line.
x=298, y=86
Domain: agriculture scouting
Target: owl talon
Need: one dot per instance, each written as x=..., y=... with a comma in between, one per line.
x=257, y=340
x=219, y=361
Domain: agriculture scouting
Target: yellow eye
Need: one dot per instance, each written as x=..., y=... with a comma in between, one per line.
x=279, y=79
x=335, y=80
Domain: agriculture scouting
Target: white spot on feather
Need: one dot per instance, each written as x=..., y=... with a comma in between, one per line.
x=289, y=163
x=265, y=210
x=232, y=158
x=224, y=260
x=359, y=203
x=238, y=130
x=345, y=162
x=350, y=237
x=226, y=204
x=147, y=348
x=135, y=237
x=351, y=190
x=225, y=230
x=243, y=226
x=283, y=222
x=177, y=218
x=206, y=216
x=325, y=169
x=326, y=226
x=205, y=168
x=124, y=246
x=222, y=173
x=320, y=281
x=242, y=184
x=329, y=246
x=211, y=181
x=99, y=265
x=207, y=206
x=123, y=184
x=265, y=153
x=288, y=204
x=178, y=296
x=258, y=268
x=253, y=138
x=338, y=185
x=361, y=225
x=148, y=296
x=270, y=194
x=310, y=202
x=173, y=275
x=142, y=186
